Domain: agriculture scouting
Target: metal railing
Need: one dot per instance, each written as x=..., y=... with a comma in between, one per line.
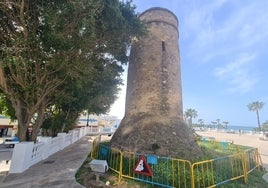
x=170, y=172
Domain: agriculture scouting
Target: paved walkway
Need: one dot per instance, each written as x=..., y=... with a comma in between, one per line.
x=57, y=171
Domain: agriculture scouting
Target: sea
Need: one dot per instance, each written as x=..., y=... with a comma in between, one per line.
x=234, y=129
x=241, y=128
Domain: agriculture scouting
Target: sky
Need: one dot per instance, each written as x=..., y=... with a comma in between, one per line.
x=223, y=55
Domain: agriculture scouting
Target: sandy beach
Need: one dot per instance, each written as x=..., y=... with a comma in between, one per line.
x=242, y=139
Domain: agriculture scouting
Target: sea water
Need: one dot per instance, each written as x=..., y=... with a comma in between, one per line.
x=232, y=129
x=240, y=128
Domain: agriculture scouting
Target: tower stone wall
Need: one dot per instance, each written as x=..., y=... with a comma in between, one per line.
x=153, y=121
x=154, y=78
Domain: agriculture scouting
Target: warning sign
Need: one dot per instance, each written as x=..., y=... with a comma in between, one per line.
x=142, y=167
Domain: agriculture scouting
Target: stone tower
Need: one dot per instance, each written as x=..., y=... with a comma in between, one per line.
x=153, y=121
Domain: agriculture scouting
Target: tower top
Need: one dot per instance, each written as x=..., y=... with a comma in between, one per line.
x=158, y=14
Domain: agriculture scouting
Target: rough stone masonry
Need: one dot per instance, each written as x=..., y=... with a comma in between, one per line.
x=153, y=121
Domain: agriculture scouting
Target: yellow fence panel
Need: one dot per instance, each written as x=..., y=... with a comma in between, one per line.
x=170, y=172
x=166, y=172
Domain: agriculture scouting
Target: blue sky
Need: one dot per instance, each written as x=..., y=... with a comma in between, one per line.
x=224, y=57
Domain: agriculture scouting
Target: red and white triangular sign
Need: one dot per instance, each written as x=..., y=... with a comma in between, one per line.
x=142, y=167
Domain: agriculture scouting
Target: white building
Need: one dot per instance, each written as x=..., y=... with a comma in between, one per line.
x=8, y=128
x=103, y=121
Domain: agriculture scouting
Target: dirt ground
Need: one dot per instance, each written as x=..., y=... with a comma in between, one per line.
x=90, y=179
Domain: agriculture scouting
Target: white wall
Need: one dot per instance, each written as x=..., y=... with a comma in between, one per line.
x=26, y=154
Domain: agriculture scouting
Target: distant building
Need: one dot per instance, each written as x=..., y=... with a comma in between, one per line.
x=7, y=127
x=103, y=121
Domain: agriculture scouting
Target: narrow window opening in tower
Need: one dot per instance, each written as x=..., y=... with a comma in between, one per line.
x=163, y=46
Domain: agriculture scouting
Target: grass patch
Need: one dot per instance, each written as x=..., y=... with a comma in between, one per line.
x=214, y=149
x=255, y=180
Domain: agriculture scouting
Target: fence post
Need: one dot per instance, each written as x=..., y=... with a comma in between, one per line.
x=47, y=143
x=192, y=175
x=80, y=132
x=71, y=132
x=120, y=168
x=245, y=164
x=257, y=158
x=62, y=140
x=86, y=130
x=74, y=135
x=21, y=157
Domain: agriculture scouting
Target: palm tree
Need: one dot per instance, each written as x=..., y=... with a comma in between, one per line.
x=225, y=124
x=218, y=123
x=201, y=122
x=189, y=115
x=214, y=123
x=256, y=106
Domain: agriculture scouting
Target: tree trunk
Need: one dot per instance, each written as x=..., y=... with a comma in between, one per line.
x=23, y=125
x=258, y=119
x=38, y=122
x=22, y=130
x=23, y=117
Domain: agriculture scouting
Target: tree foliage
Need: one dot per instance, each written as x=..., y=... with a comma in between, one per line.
x=62, y=55
x=189, y=115
x=265, y=126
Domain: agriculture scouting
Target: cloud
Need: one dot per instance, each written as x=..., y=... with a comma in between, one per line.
x=239, y=74
x=221, y=28
x=197, y=18
x=246, y=25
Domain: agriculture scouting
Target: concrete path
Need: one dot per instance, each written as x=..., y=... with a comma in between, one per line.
x=57, y=171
